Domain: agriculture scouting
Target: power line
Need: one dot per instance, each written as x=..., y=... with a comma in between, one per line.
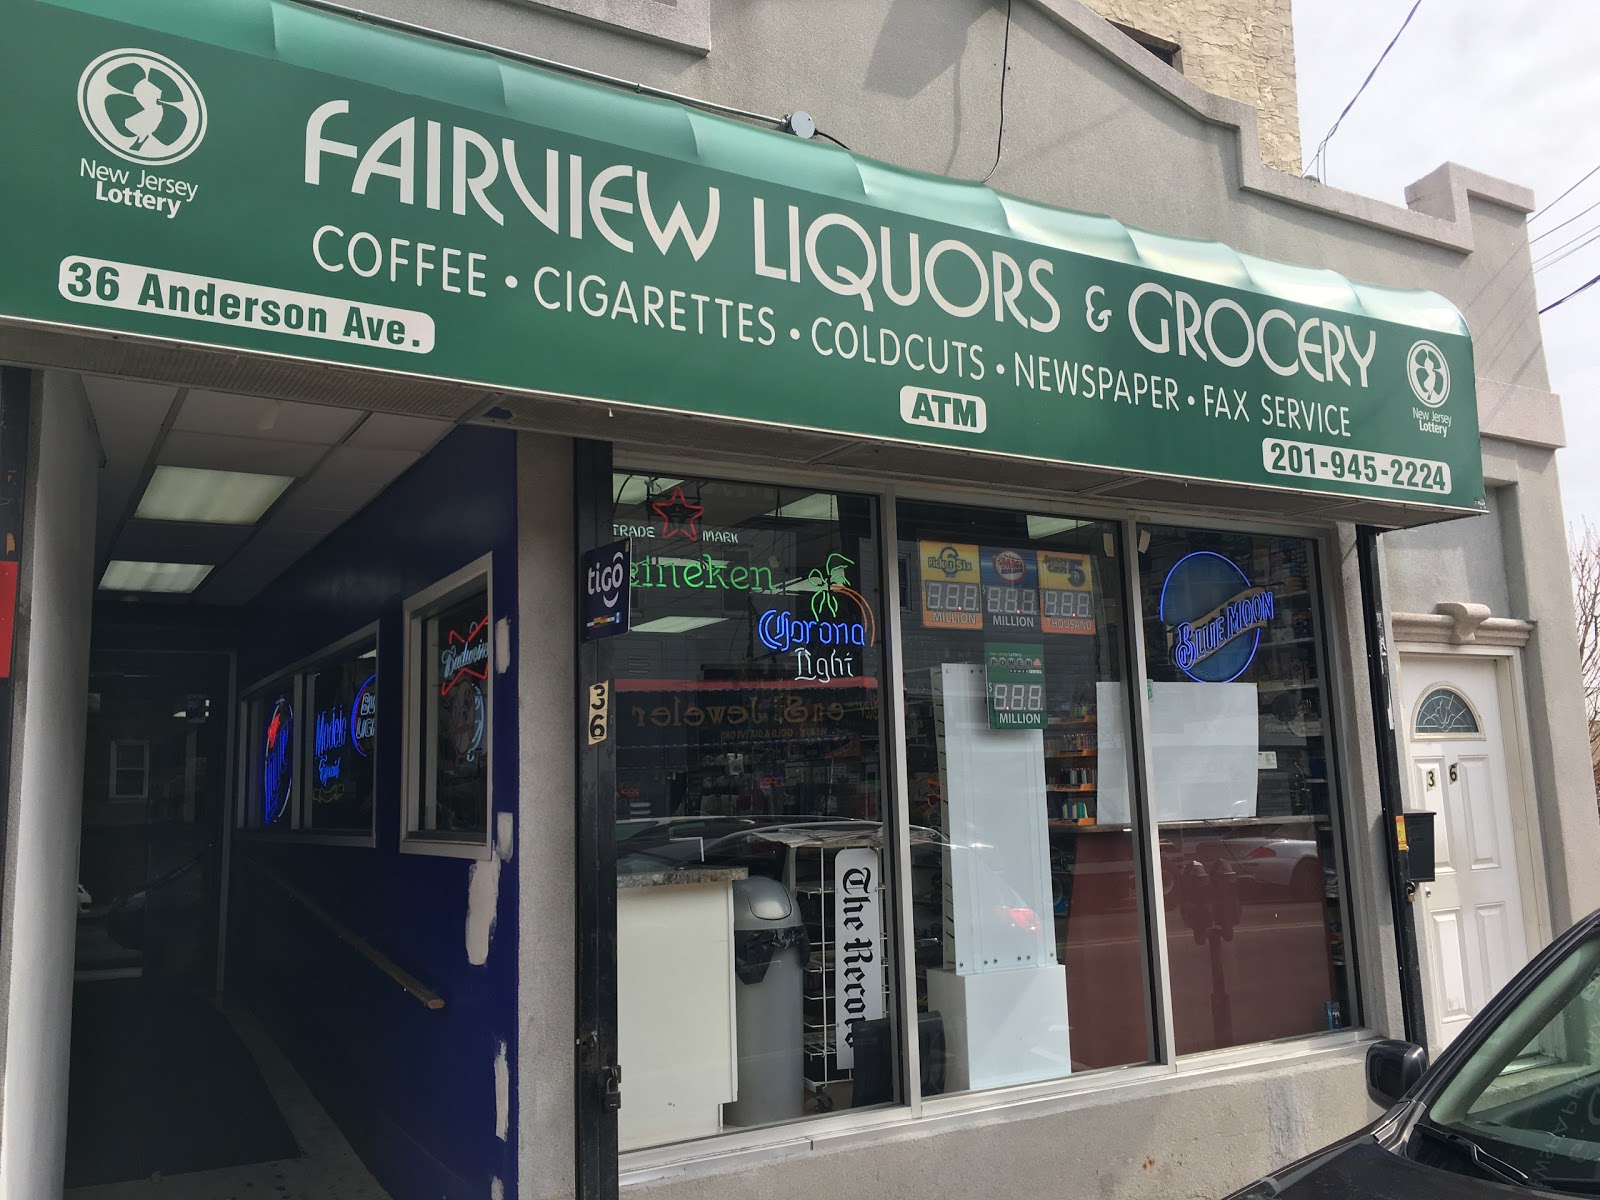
x=1322, y=146
x=1565, y=194
x=1544, y=255
x=1580, y=288
x=1000, y=136
x=1594, y=234
x=1563, y=224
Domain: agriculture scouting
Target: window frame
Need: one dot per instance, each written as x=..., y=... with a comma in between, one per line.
x=1476, y=735
x=308, y=669
x=114, y=796
x=1329, y=600
x=417, y=610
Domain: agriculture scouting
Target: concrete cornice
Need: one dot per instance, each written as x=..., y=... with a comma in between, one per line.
x=1439, y=214
x=1460, y=625
x=1520, y=414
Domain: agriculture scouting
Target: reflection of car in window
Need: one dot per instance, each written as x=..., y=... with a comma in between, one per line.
x=1514, y=1102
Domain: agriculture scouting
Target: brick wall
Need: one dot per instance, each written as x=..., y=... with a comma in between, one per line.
x=1243, y=49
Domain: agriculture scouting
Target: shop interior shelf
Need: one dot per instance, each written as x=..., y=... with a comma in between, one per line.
x=1074, y=754
x=1234, y=822
x=1287, y=737
x=1270, y=686
x=1058, y=825
x=1071, y=787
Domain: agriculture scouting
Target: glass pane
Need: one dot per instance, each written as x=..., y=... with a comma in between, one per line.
x=1529, y=1095
x=344, y=696
x=755, y=967
x=1240, y=749
x=455, y=768
x=1026, y=895
x=1443, y=711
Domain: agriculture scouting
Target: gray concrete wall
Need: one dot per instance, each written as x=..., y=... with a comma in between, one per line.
x=547, y=733
x=40, y=897
x=1457, y=560
x=1201, y=1138
x=1540, y=583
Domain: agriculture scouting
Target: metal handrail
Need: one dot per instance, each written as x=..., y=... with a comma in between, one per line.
x=425, y=995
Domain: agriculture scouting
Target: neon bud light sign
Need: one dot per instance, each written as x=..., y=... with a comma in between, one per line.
x=1214, y=617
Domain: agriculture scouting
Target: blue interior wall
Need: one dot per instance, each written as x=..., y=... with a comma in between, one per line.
x=413, y=1088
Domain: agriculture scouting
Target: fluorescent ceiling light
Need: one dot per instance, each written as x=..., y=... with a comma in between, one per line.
x=636, y=489
x=124, y=576
x=675, y=624
x=209, y=497
x=819, y=506
x=1043, y=527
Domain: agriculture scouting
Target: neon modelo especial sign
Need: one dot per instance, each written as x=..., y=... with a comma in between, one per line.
x=1217, y=643
x=335, y=733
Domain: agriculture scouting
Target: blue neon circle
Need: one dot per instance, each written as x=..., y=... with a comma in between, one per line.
x=355, y=712
x=277, y=761
x=1209, y=580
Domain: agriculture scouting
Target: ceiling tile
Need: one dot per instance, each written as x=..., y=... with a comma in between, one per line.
x=129, y=417
x=353, y=475
x=262, y=561
x=220, y=453
x=390, y=431
x=257, y=416
x=178, y=541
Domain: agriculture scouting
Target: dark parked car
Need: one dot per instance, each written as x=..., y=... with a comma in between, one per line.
x=1512, y=1107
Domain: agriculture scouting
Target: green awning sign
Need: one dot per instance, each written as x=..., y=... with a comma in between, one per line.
x=275, y=179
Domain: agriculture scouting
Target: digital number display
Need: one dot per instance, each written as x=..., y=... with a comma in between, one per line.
x=1062, y=605
x=950, y=597
x=1011, y=600
x=1019, y=697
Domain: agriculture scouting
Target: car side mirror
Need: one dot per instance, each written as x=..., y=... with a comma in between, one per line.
x=1393, y=1069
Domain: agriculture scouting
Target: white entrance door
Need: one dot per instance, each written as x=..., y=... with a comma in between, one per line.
x=1470, y=918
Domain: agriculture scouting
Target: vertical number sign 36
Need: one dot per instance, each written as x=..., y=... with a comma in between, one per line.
x=599, y=712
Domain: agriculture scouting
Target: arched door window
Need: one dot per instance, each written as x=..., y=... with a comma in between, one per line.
x=1445, y=712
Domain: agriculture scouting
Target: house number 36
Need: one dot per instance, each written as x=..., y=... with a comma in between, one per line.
x=599, y=712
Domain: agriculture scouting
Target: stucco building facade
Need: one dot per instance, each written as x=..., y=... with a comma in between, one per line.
x=1059, y=542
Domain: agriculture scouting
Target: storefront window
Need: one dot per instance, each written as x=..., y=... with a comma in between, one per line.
x=448, y=639
x=343, y=696
x=1242, y=789
x=1031, y=957
x=756, y=977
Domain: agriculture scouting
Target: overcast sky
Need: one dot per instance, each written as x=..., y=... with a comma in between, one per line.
x=1506, y=87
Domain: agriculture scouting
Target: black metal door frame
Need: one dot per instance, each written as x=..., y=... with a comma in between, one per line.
x=597, y=1076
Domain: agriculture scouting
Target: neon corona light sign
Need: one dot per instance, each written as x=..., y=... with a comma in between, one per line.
x=277, y=761
x=781, y=631
x=1213, y=623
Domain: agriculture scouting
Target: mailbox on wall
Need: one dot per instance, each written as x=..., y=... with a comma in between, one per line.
x=1414, y=830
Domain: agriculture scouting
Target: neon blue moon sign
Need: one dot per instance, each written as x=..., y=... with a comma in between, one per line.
x=1214, y=617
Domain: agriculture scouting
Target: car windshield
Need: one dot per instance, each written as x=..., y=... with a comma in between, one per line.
x=1526, y=1103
